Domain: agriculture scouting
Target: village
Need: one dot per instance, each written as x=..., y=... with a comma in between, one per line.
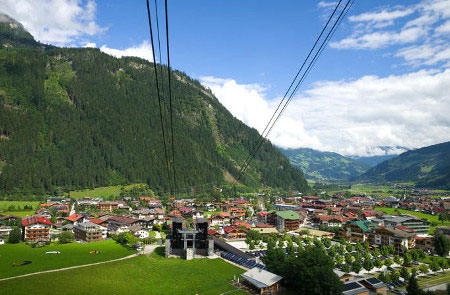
x=357, y=232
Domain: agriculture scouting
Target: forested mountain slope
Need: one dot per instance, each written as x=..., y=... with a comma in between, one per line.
x=427, y=167
x=324, y=166
x=76, y=118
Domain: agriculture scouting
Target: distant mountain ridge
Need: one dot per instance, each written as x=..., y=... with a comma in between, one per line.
x=324, y=166
x=427, y=167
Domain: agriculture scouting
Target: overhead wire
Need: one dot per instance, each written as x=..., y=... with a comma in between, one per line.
x=158, y=90
x=261, y=136
x=317, y=54
x=170, y=94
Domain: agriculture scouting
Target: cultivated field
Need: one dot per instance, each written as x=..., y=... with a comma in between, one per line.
x=71, y=254
x=140, y=275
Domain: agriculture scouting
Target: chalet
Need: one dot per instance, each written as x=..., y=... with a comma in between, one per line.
x=220, y=219
x=43, y=212
x=242, y=224
x=36, y=229
x=262, y=281
x=142, y=233
x=11, y=219
x=285, y=220
x=234, y=232
x=76, y=218
x=88, y=232
x=111, y=205
x=4, y=231
x=357, y=231
x=330, y=220
x=390, y=236
x=426, y=243
x=103, y=226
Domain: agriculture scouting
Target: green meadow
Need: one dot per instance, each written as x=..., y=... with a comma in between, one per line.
x=104, y=192
x=143, y=274
x=71, y=254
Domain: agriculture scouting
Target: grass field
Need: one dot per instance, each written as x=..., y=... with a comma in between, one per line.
x=154, y=275
x=19, y=213
x=5, y=204
x=104, y=192
x=431, y=218
x=71, y=254
x=434, y=279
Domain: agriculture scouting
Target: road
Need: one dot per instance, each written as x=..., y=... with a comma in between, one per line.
x=147, y=250
x=72, y=210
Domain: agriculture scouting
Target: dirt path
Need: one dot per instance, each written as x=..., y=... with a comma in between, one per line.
x=147, y=250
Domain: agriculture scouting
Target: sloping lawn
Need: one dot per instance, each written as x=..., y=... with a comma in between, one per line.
x=140, y=275
x=71, y=254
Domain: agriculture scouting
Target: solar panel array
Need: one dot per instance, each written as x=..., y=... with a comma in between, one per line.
x=242, y=261
x=373, y=280
x=351, y=286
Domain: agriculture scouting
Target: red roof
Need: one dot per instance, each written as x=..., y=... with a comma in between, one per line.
x=211, y=232
x=35, y=219
x=244, y=224
x=264, y=225
x=74, y=217
x=96, y=221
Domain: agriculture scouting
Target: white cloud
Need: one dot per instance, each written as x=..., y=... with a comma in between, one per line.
x=144, y=50
x=58, y=22
x=90, y=45
x=350, y=117
x=324, y=4
x=425, y=25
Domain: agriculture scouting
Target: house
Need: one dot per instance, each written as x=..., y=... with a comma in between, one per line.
x=357, y=230
x=426, y=243
x=330, y=220
x=4, y=231
x=103, y=226
x=234, y=232
x=287, y=220
x=75, y=219
x=392, y=236
x=111, y=205
x=220, y=219
x=88, y=232
x=36, y=229
x=262, y=281
x=11, y=219
x=365, y=286
x=43, y=212
x=142, y=233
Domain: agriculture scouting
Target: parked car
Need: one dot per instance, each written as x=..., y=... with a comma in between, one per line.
x=408, y=264
x=52, y=252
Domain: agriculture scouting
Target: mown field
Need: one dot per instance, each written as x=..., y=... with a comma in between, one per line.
x=4, y=206
x=104, y=192
x=431, y=218
x=144, y=274
x=71, y=254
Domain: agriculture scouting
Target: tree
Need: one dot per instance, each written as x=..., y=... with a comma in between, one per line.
x=339, y=259
x=157, y=227
x=397, y=259
x=66, y=237
x=358, y=247
x=341, y=250
x=413, y=287
x=15, y=235
x=424, y=268
x=388, y=262
x=442, y=217
x=311, y=272
x=274, y=259
x=407, y=258
x=356, y=266
x=443, y=263
x=376, y=252
x=434, y=265
x=377, y=263
x=368, y=265
x=404, y=273
x=349, y=247
x=382, y=277
x=391, y=250
x=393, y=276
x=348, y=258
x=441, y=245
x=346, y=268
x=384, y=251
x=326, y=242
x=251, y=246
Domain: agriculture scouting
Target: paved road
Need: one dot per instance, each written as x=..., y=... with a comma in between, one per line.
x=147, y=250
x=437, y=287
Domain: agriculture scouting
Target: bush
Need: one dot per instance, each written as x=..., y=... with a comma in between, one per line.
x=66, y=237
x=15, y=235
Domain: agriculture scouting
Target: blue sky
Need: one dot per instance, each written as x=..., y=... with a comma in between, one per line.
x=381, y=82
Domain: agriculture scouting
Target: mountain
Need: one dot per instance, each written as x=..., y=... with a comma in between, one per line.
x=427, y=167
x=324, y=166
x=73, y=118
x=372, y=161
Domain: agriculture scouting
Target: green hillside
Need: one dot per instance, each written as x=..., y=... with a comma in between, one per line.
x=74, y=118
x=427, y=167
x=324, y=166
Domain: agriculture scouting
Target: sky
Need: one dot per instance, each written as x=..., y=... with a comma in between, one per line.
x=383, y=80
